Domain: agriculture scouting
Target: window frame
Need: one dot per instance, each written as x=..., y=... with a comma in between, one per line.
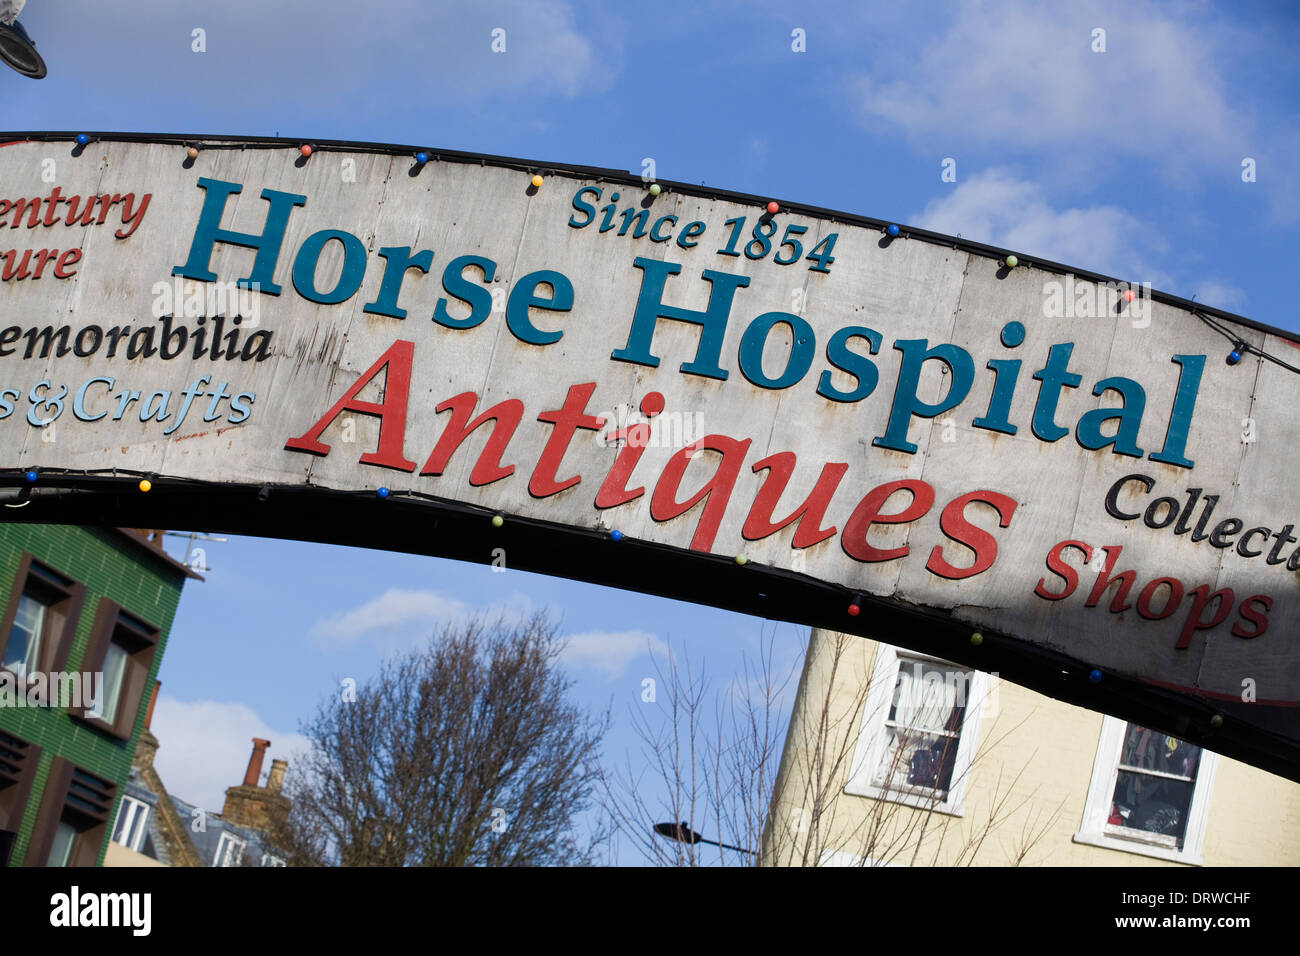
x=136, y=806
x=15, y=793
x=1093, y=828
x=92, y=825
x=56, y=641
x=868, y=751
x=110, y=619
x=228, y=839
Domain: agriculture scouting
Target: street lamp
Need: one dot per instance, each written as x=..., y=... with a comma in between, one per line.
x=684, y=834
x=16, y=48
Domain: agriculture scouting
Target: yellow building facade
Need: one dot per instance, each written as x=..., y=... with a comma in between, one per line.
x=896, y=758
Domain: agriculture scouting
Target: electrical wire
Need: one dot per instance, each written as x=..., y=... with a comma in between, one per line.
x=1240, y=344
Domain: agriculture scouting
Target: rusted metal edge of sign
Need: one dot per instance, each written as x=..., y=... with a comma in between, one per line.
x=620, y=176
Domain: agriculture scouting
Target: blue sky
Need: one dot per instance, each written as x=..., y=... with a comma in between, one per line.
x=1127, y=162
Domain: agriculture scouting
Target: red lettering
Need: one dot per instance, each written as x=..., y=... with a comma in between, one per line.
x=9, y=271
x=1104, y=581
x=1057, y=565
x=664, y=505
x=128, y=217
x=614, y=491
x=69, y=258
x=758, y=524
x=567, y=419
x=105, y=203
x=51, y=215
x=1203, y=597
x=33, y=207
x=390, y=412
x=867, y=513
x=42, y=257
x=953, y=523
x=1260, y=620
x=488, y=467
x=1148, y=592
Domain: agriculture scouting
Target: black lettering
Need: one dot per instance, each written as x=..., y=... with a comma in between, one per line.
x=47, y=335
x=141, y=344
x=1149, y=518
x=80, y=348
x=115, y=333
x=1112, y=496
x=1221, y=536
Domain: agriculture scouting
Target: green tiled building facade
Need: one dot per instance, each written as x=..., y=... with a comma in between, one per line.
x=75, y=601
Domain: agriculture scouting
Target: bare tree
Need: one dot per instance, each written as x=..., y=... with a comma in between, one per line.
x=714, y=762
x=464, y=752
x=707, y=759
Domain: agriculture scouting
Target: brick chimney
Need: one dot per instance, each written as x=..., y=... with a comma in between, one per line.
x=249, y=805
x=254, y=771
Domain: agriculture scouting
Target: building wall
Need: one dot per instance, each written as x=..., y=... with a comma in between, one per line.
x=1030, y=776
x=118, y=855
x=109, y=566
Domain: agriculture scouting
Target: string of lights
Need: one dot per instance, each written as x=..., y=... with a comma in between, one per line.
x=1239, y=346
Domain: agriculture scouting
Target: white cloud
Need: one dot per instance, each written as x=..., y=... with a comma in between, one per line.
x=609, y=651
x=996, y=207
x=1221, y=295
x=396, y=612
x=400, y=618
x=1021, y=74
x=204, y=746
x=331, y=55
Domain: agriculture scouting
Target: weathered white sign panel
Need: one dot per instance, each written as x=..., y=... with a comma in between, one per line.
x=1035, y=453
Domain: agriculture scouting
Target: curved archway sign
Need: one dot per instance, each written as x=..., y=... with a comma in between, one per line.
x=786, y=411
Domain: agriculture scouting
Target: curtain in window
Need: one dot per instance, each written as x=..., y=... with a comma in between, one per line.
x=928, y=701
x=925, y=697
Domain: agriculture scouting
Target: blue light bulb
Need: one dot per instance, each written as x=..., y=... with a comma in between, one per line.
x=616, y=535
x=1234, y=357
x=892, y=230
x=31, y=476
x=421, y=158
x=382, y=492
x=1095, y=676
x=82, y=139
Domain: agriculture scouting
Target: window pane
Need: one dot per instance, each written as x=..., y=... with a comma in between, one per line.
x=924, y=726
x=24, y=643
x=1152, y=750
x=916, y=759
x=114, y=669
x=137, y=829
x=124, y=815
x=1151, y=803
x=61, y=848
x=131, y=821
x=929, y=696
x=230, y=851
